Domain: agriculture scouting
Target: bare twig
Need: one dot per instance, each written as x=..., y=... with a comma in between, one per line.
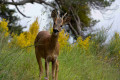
x=20, y=11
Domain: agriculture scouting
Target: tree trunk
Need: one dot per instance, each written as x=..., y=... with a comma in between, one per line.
x=78, y=23
x=74, y=31
x=79, y=26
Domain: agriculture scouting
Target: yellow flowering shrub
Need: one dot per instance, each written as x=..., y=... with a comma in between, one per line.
x=63, y=39
x=4, y=28
x=34, y=28
x=21, y=40
x=83, y=43
x=27, y=38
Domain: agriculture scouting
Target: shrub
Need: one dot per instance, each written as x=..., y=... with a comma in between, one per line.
x=63, y=39
x=84, y=44
x=100, y=37
x=27, y=38
x=114, y=48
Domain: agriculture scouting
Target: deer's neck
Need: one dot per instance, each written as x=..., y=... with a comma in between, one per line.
x=54, y=40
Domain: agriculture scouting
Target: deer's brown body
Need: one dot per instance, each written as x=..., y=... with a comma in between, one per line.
x=47, y=47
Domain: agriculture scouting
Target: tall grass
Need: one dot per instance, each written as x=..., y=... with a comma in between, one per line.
x=76, y=64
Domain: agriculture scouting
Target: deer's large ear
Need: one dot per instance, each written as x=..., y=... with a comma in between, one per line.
x=66, y=20
x=54, y=14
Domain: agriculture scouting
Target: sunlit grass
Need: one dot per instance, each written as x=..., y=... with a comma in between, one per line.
x=20, y=64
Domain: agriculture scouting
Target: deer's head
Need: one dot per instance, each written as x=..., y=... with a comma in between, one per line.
x=59, y=21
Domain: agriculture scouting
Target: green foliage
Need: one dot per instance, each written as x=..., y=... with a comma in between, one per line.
x=114, y=45
x=97, y=42
x=114, y=49
x=100, y=36
x=83, y=11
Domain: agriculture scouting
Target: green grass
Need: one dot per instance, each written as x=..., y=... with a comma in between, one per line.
x=19, y=64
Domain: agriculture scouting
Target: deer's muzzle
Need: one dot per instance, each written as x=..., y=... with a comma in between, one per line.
x=55, y=30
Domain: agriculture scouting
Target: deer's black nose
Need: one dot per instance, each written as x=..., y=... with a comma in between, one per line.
x=55, y=30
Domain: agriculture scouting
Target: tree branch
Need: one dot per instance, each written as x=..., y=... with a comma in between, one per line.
x=41, y=1
x=73, y=15
x=23, y=2
x=20, y=11
x=17, y=3
x=74, y=31
x=77, y=20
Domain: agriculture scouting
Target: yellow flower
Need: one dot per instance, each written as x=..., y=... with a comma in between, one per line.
x=6, y=34
x=83, y=43
x=4, y=28
x=119, y=52
x=27, y=38
x=34, y=28
x=106, y=58
x=63, y=39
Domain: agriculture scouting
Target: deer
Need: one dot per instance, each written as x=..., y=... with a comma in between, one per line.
x=47, y=46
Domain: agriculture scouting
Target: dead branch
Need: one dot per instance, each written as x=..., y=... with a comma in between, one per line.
x=23, y=2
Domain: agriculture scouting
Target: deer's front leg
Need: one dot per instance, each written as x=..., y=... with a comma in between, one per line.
x=57, y=69
x=40, y=66
x=47, y=69
x=53, y=69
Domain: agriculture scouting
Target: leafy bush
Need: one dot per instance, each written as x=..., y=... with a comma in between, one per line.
x=114, y=48
x=97, y=41
x=114, y=44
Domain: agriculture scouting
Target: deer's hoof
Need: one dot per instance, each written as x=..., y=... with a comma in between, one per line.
x=46, y=78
